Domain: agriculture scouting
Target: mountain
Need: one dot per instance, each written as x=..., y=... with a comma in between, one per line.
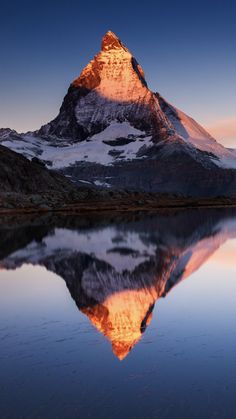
x=116, y=269
x=112, y=131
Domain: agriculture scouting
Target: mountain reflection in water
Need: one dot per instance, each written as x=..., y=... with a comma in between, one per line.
x=117, y=268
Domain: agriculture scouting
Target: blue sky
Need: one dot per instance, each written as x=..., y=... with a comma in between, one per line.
x=187, y=50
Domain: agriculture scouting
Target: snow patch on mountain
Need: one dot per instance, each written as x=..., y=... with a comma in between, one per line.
x=26, y=144
x=118, y=142
x=116, y=130
x=100, y=147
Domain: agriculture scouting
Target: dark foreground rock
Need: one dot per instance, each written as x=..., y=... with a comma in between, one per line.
x=26, y=184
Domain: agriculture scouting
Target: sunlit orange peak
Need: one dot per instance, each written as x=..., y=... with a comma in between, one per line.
x=122, y=318
x=111, y=41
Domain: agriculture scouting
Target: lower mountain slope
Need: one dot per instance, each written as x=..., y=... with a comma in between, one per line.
x=28, y=184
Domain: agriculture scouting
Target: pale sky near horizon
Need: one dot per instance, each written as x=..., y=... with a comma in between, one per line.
x=187, y=51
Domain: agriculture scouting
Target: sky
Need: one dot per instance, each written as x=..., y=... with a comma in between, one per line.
x=186, y=48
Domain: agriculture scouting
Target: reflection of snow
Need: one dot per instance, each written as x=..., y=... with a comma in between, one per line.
x=197, y=254
x=123, y=254
x=125, y=250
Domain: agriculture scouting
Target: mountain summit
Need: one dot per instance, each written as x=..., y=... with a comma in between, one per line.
x=112, y=87
x=111, y=41
x=113, y=131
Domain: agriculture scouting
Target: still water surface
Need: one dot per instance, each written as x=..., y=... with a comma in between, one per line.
x=118, y=317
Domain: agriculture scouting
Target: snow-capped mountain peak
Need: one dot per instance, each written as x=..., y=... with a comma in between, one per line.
x=132, y=137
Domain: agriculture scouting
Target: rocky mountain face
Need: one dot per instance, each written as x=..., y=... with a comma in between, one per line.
x=116, y=270
x=111, y=88
x=112, y=131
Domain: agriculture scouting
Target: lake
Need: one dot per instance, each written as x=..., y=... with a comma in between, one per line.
x=118, y=316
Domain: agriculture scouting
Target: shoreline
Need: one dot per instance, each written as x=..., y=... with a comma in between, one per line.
x=133, y=204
